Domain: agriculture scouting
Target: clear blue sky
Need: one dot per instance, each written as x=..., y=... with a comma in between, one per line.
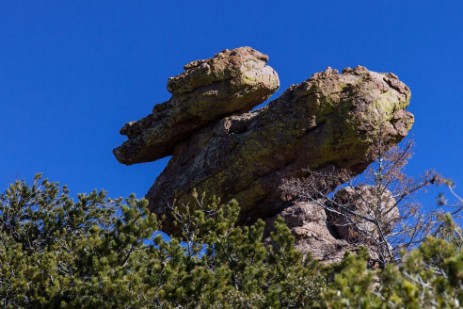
x=73, y=72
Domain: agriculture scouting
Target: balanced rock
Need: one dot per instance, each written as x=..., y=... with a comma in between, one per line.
x=329, y=123
x=230, y=82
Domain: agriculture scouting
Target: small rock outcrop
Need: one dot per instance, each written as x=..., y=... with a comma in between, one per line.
x=375, y=204
x=330, y=122
x=313, y=231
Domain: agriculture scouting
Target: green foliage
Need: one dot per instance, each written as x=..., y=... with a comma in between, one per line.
x=55, y=252
x=94, y=252
x=430, y=276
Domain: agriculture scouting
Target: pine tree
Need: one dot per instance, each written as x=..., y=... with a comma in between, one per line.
x=96, y=252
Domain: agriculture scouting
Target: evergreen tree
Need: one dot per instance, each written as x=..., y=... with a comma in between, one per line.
x=95, y=252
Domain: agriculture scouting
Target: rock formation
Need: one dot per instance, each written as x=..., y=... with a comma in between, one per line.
x=233, y=81
x=313, y=231
x=380, y=206
x=330, y=122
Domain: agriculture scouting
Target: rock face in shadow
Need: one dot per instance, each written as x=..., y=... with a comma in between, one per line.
x=330, y=122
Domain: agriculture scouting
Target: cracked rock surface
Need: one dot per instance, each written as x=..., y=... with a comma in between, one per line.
x=330, y=122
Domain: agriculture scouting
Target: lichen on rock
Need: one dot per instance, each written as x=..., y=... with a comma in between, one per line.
x=230, y=82
x=331, y=121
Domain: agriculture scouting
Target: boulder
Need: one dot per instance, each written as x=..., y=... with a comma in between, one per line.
x=314, y=234
x=233, y=81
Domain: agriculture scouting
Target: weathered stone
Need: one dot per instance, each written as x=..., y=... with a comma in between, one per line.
x=230, y=82
x=329, y=122
x=364, y=211
x=308, y=223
